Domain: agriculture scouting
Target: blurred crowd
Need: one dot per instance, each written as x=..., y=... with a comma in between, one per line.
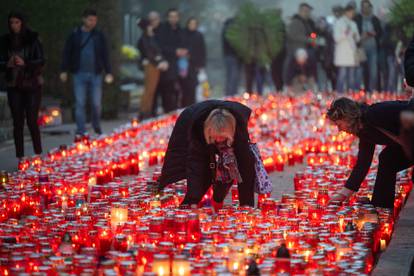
x=351, y=49
x=172, y=58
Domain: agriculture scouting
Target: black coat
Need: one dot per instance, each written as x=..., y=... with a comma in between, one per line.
x=169, y=40
x=409, y=64
x=72, y=52
x=385, y=115
x=32, y=55
x=188, y=155
x=149, y=49
x=375, y=22
x=194, y=42
x=295, y=69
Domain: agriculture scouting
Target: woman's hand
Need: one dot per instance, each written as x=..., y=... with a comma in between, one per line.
x=163, y=66
x=18, y=61
x=341, y=196
x=407, y=119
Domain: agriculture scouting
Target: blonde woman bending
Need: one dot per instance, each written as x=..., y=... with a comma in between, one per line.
x=209, y=145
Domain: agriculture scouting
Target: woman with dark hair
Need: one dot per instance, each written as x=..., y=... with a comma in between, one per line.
x=376, y=124
x=209, y=146
x=194, y=42
x=21, y=57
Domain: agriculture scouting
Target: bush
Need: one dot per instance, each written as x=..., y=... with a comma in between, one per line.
x=257, y=36
x=401, y=16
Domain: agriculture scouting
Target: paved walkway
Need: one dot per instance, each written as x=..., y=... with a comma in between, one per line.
x=398, y=257
x=52, y=137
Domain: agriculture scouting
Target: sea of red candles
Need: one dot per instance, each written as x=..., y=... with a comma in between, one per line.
x=90, y=207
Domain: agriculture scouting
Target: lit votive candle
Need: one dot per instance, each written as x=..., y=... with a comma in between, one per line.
x=181, y=266
x=161, y=264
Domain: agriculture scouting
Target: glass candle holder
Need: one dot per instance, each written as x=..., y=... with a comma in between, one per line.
x=161, y=264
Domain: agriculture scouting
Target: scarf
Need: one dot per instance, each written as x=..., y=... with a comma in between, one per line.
x=227, y=170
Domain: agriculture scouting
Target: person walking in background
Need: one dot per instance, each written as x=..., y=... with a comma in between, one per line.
x=170, y=39
x=324, y=55
x=21, y=58
x=232, y=62
x=299, y=35
x=153, y=63
x=346, y=37
x=391, y=44
x=276, y=67
x=86, y=56
x=155, y=21
x=370, y=29
x=194, y=42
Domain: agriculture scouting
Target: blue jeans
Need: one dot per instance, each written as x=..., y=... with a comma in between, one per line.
x=371, y=70
x=346, y=79
x=84, y=83
x=232, y=75
x=394, y=72
x=260, y=78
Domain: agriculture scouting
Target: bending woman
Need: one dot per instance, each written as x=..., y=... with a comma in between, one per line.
x=377, y=124
x=209, y=145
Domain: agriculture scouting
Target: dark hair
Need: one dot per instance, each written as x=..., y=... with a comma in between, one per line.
x=366, y=2
x=347, y=110
x=305, y=5
x=170, y=10
x=18, y=15
x=89, y=12
x=143, y=23
x=189, y=20
x=25, y=35
x=349, y=7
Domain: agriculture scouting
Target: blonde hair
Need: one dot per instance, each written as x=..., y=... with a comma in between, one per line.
x=220, y=122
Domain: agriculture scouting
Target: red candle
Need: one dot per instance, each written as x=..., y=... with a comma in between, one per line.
x=193, y=228
x=104, y=240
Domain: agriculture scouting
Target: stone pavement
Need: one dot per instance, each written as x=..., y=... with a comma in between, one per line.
x=52, y=137
x=398, y=259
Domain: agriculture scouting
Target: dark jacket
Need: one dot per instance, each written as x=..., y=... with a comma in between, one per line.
x=295, y=69
x=169, y=40
x=325, y=53
x=409, y=64
x=32, y=55
x=298, y=32
x=72, y=52
x=194, y=42
x=228, y=50
x=385, y=115
x=375, y=22
x=188, y=155
x=149, y=49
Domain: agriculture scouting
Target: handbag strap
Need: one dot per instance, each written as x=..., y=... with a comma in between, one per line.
x=393, y=137
x=406, y=147
x=86, y=41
